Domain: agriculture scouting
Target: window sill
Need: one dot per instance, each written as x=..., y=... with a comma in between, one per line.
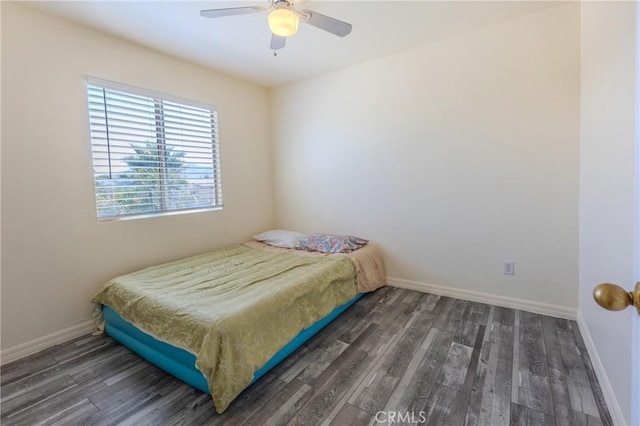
x=156, y=214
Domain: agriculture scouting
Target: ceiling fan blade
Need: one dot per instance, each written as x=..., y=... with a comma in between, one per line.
x=327, y=23
x=230, y=11
x=277, y=42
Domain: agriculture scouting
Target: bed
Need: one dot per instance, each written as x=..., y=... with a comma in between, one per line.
x=221, y=320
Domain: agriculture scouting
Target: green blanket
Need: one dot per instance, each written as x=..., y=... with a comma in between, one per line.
x=233, y=308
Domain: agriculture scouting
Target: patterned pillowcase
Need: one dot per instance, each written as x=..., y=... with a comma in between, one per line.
x=329, y=243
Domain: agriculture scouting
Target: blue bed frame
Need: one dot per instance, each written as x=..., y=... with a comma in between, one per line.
x=182, y=364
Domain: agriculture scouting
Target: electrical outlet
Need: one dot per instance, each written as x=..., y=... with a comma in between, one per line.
x=509, y=268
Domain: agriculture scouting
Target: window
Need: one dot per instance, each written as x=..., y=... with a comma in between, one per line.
x=152, y=154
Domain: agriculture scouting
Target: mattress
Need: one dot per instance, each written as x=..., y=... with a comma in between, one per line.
x=213, y=307
x=182, y=364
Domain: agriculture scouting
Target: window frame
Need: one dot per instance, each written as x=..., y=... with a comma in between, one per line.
x=158, y=99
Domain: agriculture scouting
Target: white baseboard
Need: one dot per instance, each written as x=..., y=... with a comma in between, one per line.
x=612, y=402
x=493, y=299
x=28, y=348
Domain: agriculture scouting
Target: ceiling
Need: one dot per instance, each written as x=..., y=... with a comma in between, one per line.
x=239, y=45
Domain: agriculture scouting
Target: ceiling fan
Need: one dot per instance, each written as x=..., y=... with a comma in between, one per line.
x=283, y=20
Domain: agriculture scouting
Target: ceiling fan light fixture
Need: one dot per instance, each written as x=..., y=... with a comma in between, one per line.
x=283, y=22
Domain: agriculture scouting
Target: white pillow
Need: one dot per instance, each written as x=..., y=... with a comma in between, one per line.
x=280, y=238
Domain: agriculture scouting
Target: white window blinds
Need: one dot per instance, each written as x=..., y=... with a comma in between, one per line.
x=152, y=154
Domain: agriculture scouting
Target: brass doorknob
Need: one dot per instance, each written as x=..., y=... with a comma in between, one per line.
x=615, y=298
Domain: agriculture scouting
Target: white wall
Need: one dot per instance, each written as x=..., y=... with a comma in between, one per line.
x=454, y=157
x=55, y=254
x=608, y=187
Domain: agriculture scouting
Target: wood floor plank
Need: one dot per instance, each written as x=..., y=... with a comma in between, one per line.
x=472, y=415
x=534, y=371
x=454, y=369
x=500, y=411
x=550, y=331
x=580, y=392
x=568, y=343
x=487, y=392
x=353, y=416
x=351, y=332
x=515, y=367
x=53, y=404
x=111, y=397
x=570, y=385
x=79, y=348
x=286, y=397
x=534, y=392
x=502, y=324
x=439, y=405
x=532, y=349
x=76, y=414
x=474, y=316
x=128, y=406
x=144, y=415
x=563, y=412
x=289, y=409
x=37, y=395
x=131, y=365
x=419, y=388
x=450, y=315
x=460, y=405
x=411, y=355
x=428, y=302
x=181, y=410
x=319, y=360
x=604, y=414
x=26, y=367
x=93, y=356
x=377, y=392
x=411, y=372
x=525, y=416
x=393, y=318
x=102, y=364
x=372, y=340
x=489, y=328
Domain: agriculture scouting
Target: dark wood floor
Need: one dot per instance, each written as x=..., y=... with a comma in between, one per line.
x=396, y=357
